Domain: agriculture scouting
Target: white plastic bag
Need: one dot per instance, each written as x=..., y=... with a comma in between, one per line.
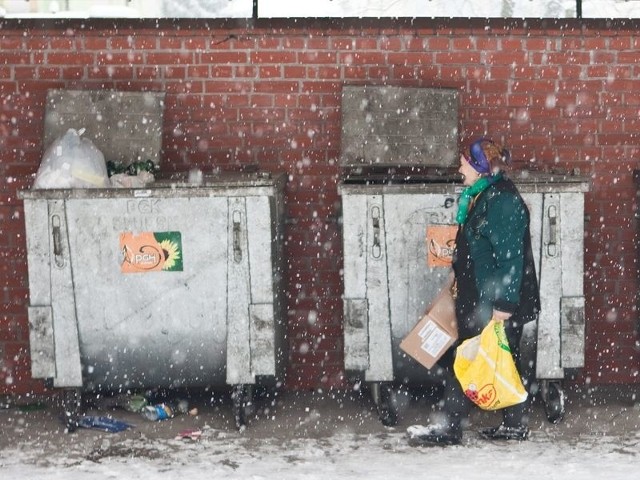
x=72, y=162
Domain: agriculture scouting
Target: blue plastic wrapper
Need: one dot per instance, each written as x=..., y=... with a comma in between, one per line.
x=103, y=423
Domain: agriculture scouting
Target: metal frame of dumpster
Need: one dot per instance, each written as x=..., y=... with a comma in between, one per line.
x=636, y=180
x=217, y=321
x=399, y=158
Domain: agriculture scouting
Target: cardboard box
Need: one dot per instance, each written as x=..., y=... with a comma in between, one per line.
x=435, y=332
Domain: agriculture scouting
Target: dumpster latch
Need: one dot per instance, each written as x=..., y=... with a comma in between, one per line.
x=552, y=249
x=57, y=241
x=376, y=251
x=237, y=249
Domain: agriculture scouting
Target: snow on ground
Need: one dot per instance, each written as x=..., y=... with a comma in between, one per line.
x=320, y=442
x=384, y=456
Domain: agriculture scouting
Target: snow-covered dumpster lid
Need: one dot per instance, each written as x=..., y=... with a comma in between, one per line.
x=550, y=181
x=176, y=185
x=125, y=126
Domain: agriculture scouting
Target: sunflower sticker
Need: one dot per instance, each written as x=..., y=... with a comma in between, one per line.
x=151, y=252
x=441, y=242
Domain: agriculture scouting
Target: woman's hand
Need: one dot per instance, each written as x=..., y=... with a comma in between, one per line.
x=499, y=316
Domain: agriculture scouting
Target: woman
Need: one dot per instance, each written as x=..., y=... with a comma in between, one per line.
x=494, y=276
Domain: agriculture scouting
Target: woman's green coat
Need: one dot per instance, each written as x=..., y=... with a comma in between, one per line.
x=494, y=264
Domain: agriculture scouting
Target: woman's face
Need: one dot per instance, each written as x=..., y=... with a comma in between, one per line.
x=469, y=174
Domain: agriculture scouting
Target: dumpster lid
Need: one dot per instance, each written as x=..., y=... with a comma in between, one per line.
x=386, y=126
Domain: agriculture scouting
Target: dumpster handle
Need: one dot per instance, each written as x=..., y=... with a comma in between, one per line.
x=376, y=251
x=237, y=249
x=552, y=250
x=57, y=241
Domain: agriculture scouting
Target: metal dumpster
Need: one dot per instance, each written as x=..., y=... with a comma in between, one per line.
x=175, y=285
x=399, y=200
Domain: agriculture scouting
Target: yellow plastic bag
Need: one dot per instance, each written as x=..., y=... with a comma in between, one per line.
x=486, y=370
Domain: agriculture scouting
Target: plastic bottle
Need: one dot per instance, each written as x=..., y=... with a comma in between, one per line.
x=163, y=411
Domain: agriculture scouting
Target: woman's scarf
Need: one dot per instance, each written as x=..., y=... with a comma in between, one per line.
x=471, y=192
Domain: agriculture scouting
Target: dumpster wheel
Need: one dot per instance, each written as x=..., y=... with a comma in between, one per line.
x=553, y=398
x=71, y=407
x=385, y=398
x=242, y=398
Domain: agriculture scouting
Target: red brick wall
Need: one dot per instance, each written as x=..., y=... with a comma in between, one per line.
x=563, y=95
